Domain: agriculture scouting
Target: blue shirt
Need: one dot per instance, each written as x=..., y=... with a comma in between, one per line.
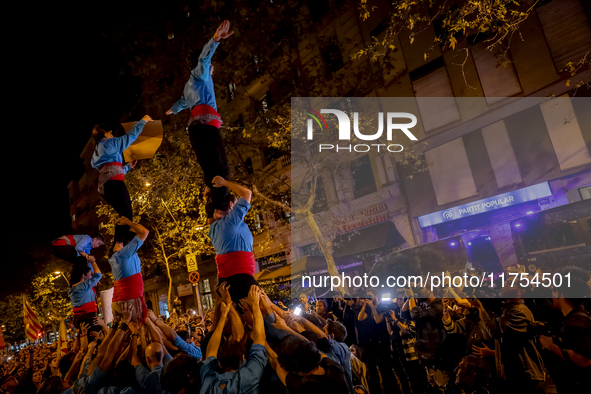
x=244, y=380
x=83, y=243
x=90, y=384
x=341, y=353
x=126, y=262
x=82, y=292
x=199, y=88
x=111, y=150
x=230, y=233
x=188, y=347
x=149, y=380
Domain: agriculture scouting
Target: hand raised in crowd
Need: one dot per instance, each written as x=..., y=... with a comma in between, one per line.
x=169, y=112
x=84, y=328
x=546, y=341
x=224, y=290
x=225, y=310
x=222, y=31
x=280, y=323
x=254, y=295
x=393, y=314
x=127, y=313
x=132, y=163
x=483, y=351
x=151, y=315
x=293, y=321
x=147, y=118
x=100, y=321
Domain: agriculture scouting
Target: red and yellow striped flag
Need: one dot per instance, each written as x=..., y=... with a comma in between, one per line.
x=32, y=325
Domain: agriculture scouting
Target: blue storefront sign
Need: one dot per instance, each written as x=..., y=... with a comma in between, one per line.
x=504, y=200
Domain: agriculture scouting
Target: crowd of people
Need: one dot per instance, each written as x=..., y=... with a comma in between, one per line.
x=359, y=344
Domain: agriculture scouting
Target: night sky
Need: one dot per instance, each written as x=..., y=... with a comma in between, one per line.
x=67, y=75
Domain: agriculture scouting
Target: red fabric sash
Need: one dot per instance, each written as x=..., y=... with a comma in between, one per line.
x=235, y=263
x=85, y=308
x=202, y=109
x=119, y=177
x=62, y=242
x=129, y=288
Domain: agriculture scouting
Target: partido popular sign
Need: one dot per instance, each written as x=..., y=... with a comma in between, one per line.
x=488, y=204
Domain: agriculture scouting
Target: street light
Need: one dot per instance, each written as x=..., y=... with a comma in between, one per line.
x=62, y=274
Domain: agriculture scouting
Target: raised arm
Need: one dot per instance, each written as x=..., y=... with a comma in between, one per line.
x=214, y=342
x=123, y=142
x=135, y=359
x=81, y=245
x=242, y=192
x=235, y=321
x=140, y=231
x=258, y=335
x=274, y=360
x=204, y=64
x=106, y=362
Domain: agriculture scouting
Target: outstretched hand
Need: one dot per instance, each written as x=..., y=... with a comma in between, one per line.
x=123, y=221
x=127, y=314
x=224, y=290
x=218, y=181
x=222, y=31
x=169, y=112
x=147, y=118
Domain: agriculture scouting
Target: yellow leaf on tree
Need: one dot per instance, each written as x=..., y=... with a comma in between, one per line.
x=453, y=42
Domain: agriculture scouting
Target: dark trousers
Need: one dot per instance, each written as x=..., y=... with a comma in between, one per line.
x=117, y=196
x=240, y=285
x=65, y=252
x=87, y=318
x=211, y=155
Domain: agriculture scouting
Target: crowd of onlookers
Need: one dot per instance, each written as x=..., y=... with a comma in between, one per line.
x=359, y=343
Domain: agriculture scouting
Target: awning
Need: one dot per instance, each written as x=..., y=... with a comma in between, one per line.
x=292, y=270
x=383, y=235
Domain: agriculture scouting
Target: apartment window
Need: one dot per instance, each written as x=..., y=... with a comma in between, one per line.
x=163, y=305
x=565, y=133
x=385, y=168
x=312, y=250
x=333, y=58
x=363, y=179
x=585, y=193
x=501, y=154
x=320, y=201
x=435, y=100
x=450, y=172
x=566, y=28
x=231, y=91
x=205, y=293
x=498, y=79
x=265, y=103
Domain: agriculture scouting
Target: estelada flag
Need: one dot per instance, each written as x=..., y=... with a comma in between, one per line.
x=63, y=338
x=32, y=325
